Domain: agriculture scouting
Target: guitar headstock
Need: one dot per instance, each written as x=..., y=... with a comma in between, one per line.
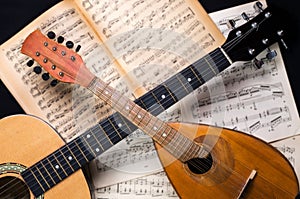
x=59, y=61
x=247, y=41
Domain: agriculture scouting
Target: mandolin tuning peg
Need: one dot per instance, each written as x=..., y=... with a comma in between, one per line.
x=37, y=69
x=30, y=63
x=54, y=82
x=69, y=44
x=60, y=39
x=51, y=35
x=77, y=48
x=45, y=76
x=258, y=7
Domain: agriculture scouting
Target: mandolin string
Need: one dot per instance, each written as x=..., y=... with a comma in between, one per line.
x=164, y=102
x=229, y=47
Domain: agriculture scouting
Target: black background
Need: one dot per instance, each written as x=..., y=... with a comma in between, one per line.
x=16, y=14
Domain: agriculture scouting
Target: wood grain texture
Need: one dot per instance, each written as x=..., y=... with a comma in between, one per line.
x=235, y=156
x=26, y=140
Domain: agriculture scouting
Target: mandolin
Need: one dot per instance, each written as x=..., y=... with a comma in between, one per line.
x=201, y=161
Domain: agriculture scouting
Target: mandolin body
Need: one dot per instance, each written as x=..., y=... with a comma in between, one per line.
x=26, y=140
x=237, y=157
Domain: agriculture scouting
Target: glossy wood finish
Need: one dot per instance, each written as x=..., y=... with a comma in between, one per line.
x=26, y=140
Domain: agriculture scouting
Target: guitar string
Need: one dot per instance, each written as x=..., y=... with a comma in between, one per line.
x=191, y=81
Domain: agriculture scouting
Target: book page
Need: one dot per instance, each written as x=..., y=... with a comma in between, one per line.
x=147, y=37
x=258, y=102
x=62, y=105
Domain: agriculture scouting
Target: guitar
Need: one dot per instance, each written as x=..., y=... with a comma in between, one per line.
x=228, y=163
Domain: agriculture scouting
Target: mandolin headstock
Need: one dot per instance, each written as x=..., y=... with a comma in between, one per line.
x=60, y=62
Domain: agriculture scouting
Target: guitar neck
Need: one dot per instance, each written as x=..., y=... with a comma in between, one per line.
x=96, y=140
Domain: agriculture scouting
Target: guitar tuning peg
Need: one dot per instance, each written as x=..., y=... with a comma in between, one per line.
x=77, y=48
x=271, y=54
x=280, y=33
x=69, y=44
x=54, y=82
x=60, y=39
x=257, y=63
x=51, y=35
x=30, y=63
x=258, y=7
x=245, y=16
x=45, y=76
x=230, y=24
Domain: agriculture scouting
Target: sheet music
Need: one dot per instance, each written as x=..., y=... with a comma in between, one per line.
x=290, y=148
x=258, y=102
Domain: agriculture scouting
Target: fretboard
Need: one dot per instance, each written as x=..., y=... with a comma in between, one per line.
x=63, y=162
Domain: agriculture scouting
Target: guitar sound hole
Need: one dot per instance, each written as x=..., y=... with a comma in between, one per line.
x=200, y=165
x=13, y=188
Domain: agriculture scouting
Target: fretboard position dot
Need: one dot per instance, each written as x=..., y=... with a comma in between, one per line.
x=127, y=107
x=57, y=166
x=155, y=128
x=164, y=135
x=119, y=125
x=163, y=96
x=106, y=92
x=189, y=79
x=88, y=136
x=70, y=158
x=97, y=149
x=139, y=116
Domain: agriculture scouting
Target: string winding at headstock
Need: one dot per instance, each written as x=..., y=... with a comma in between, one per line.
x=244, y=43
x=58, y=60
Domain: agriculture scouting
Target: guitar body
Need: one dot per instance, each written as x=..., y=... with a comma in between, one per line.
x=24, y=141
x=242, y=166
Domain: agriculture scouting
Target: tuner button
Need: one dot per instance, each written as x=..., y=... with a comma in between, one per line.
x=45, y=76
x=51, y=35
x=280, y=33
x=60, y=39
x=251, y=51
x=254, y=25
x=69, y=44
x=37, y=69
x=54, y=82
x=268, y=14
x=30, y=63
x=78, y=48
x=238, y=33
x=245, y=16
x=265, y=41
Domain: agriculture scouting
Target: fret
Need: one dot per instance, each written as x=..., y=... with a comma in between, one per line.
x=107, y=126
x=87, y=154
x=192, y=78
x=92, y=144
x=176, y=87
x=124, y=126
x=72, y=159
x=52, y=170
x=49, y=174
x=150, y=103
x=164, y=96
x=101, y=137
x=45, y=175
x=33, y=182
x=39, y=178
x=65, y=163
x=80, y=157
x=57, y=166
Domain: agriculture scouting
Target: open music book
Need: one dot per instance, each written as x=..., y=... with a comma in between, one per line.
x=125, y=43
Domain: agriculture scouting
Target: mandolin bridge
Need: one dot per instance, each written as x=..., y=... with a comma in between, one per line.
x=249, y=179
